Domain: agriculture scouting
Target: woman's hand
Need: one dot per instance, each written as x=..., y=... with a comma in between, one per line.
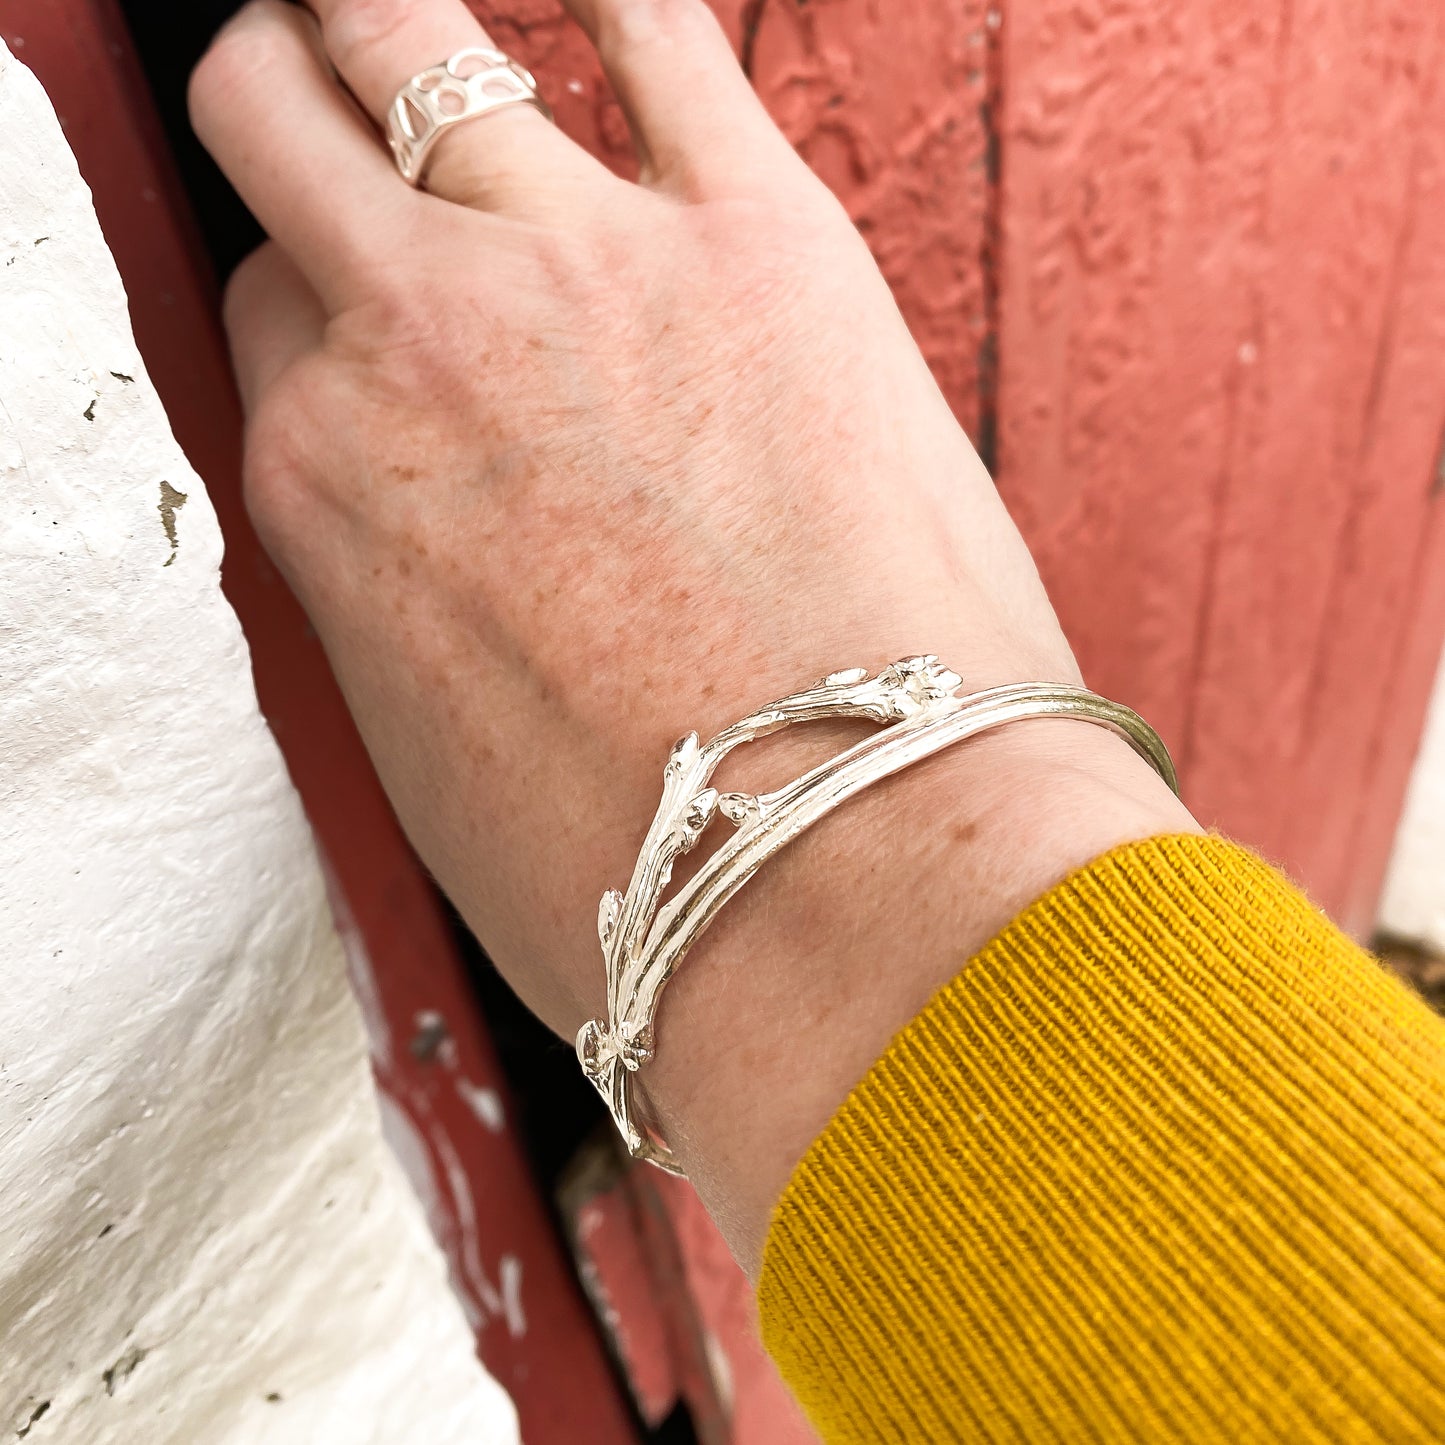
x=562, y=466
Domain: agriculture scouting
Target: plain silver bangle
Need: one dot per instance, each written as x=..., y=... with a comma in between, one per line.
x=916, y=702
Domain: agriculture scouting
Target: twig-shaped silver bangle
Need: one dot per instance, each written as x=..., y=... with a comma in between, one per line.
x=643, y=940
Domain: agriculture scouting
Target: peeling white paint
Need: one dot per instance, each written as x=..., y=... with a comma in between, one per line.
x=359, y=971
x=479, y=1295
x=1414, y=902
x=485, y=1103
x=511, y=1277
x=447, y=1199
x=433, y=1039
x=203, y=1239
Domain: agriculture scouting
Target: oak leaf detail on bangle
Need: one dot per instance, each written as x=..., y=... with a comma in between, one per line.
x=916, y=703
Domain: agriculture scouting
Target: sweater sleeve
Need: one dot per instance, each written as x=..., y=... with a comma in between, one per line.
x=1166, y=1161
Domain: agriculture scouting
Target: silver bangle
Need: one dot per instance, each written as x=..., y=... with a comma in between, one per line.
x=917, y=704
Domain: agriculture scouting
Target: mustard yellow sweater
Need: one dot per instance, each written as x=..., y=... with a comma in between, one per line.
x=1165, y=1162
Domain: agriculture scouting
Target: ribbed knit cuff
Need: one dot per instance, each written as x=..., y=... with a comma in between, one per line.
x=1165, y=1162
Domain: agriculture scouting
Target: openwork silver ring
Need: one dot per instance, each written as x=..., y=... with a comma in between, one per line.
x=474, y=82
x=644, y=940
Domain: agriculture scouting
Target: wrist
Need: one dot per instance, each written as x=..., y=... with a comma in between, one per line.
x=802, y=981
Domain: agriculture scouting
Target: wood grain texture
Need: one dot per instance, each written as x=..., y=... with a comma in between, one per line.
x=1221, y=399
x=681, y=1321
x=887, y=102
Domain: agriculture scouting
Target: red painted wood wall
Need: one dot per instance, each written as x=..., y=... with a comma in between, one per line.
x=1221, y=393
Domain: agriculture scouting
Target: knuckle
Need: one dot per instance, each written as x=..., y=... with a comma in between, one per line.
x=239, y=58
x=247, y=283
x=271, y=479
x=358, y=26
x=278, y=472
x=425, y=358
x=401, y=353
x=626, y=24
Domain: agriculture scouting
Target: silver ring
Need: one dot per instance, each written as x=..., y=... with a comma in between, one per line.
x=473, y=82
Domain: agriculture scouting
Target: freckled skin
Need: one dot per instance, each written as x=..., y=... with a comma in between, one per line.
x=557, y=486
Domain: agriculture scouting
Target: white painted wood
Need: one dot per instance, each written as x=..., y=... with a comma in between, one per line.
x=202, y=1236
x=1414, y=902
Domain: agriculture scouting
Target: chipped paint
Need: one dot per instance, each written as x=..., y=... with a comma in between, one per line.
x=430, y=1160
x=485, y=1103
x=479, y=1295
x=171, y=502
x=510, y=1270
x=360, y=971
x=123, y=1369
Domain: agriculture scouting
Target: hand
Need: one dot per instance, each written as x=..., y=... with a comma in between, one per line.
x=562, y=465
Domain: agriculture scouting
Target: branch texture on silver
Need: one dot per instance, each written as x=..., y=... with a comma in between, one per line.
x=916, y=703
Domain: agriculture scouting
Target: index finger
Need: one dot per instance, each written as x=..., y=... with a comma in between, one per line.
x=266, y=105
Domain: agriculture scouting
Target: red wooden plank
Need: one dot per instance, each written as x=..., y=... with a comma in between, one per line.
x=1222, y=317
x=680, y=1313
x=888, y=104
x=759, y=1407
x=432, y=1055
x=1375, y=664
x=616, y=1270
